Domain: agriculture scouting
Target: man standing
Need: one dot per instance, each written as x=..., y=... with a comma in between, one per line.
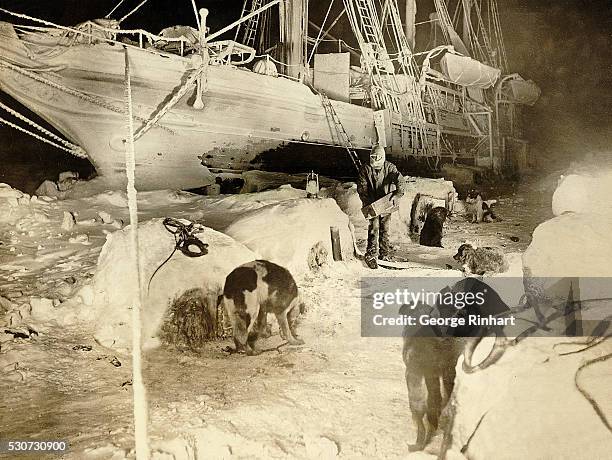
x=377, y=179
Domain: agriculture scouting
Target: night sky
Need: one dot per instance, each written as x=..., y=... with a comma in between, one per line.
x=563, y=45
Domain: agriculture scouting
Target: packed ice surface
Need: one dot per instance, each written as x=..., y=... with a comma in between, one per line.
x=339, y=395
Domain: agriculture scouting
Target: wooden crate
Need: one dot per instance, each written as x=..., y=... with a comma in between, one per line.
x=380, y=206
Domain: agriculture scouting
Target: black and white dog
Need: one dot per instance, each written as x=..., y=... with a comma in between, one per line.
x=479, y=209
x=255, y=289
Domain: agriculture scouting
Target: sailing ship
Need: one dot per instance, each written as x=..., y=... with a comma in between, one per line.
x=202, y=104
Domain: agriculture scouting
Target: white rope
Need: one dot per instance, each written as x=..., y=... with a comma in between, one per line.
x=133, y=11
x=113, y=10
x=74, y=149
x=94, y=99
x=138, y=388
x=180, y=93
x=36, y=136
x=320, y=31
x=197, y=16
x=149, y=35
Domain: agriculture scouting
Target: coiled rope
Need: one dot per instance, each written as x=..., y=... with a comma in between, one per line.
x=184, y=240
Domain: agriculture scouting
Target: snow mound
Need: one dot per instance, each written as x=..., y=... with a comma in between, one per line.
x=584, y=194
x=114, y=284
x=496, y=408
x=565, y=248
x=571, y=245
x=14, y=204
x=576, y=243
x=286, y=232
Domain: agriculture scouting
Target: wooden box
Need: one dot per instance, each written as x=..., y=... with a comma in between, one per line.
x=380, y=206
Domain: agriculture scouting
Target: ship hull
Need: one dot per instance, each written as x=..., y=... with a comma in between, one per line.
x=245, y=115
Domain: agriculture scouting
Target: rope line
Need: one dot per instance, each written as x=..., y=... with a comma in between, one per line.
x=590, y=399
x=77, y=93
x=179, y=94
x=183, y=239
x=320, y=31
x=133, y=11
x=195, y=12
x=113, y=10
x=76, y=150
x=40, y=138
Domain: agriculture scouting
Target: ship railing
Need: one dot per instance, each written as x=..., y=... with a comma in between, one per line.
x=91, y=30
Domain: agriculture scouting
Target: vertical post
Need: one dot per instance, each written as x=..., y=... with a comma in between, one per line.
x=335, y=240
x=138, y=388
x=467, y=21
x=295, y=29
x=409, y=27
x=198, y=103
x=491, y=140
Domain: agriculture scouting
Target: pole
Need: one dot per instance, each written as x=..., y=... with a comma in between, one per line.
x=198, y=104
x=138, y=388
x=410, y=26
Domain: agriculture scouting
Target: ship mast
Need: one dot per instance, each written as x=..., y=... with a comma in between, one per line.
x=467, y=21
x=294, y=21
x=409, y=27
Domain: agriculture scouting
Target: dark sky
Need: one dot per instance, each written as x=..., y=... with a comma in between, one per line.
x=564, y=45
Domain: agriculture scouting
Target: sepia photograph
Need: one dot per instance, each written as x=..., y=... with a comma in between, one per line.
x=305, y=229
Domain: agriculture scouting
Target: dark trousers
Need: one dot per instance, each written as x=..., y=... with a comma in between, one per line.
x=378, y=237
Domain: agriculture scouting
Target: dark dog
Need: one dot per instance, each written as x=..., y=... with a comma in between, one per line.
x=255, y=289
x=431, y=234
x=479, y=209
x=430, y=377
x=431, y=354
x=480, y=260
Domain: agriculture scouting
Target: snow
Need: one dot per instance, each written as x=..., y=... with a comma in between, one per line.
x=286, y=232
x=575, y=243
x=588, y=194
x=115, y=284
x=339, y=395
x=514, y=409
x=583, y=239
